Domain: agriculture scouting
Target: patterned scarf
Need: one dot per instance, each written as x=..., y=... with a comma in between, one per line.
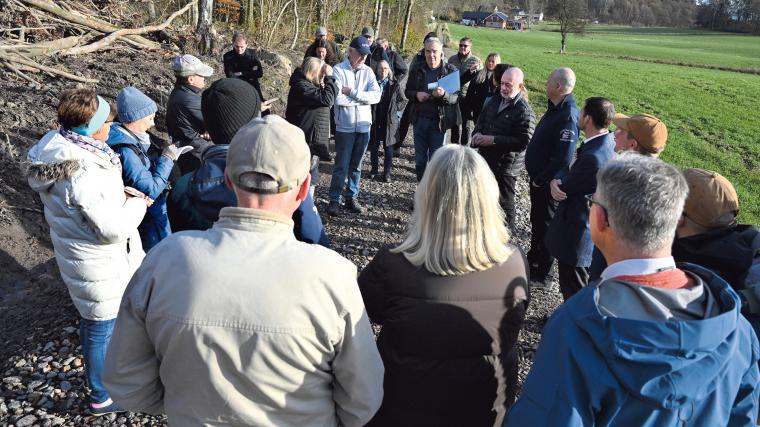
x=98, y=148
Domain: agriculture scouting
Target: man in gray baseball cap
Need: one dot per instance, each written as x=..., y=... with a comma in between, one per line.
x=184, y=120
x=207, y=329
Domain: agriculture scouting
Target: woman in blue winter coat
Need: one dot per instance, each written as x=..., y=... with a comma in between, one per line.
x=150, y=175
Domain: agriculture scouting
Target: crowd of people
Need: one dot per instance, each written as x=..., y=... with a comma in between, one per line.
x=240, y=314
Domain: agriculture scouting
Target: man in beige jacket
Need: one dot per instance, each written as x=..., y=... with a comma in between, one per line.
x=242, y=324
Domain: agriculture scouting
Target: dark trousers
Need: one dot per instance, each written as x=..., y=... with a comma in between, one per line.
x=542, y=208
x=571, y=279
x=403, y=126
x=506, y=181
x=598, y=264
x=460, y=134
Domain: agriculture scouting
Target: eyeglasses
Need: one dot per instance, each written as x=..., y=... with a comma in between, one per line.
x=464, y=45
x=590, y=200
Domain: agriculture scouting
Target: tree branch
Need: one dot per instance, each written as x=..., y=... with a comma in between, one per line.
x=45, y=68
x=108, y=40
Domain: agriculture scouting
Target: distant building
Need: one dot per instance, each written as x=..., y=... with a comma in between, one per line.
x=501, y=20
x=474, y=18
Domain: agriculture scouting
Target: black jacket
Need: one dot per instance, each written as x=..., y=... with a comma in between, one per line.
x=448, y=107
x=512, y=129
x=385, y=114
x=246, y=67
x=553, y=144
x=447, y=342
x=477, y=92
x=397, y=63
x=309, y=107
x=184, y=120
x=726, y=251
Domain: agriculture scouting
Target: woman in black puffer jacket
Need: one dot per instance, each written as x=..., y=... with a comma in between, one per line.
x=313, y=90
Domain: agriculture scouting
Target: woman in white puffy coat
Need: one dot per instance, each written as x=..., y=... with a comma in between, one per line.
x=93, y=222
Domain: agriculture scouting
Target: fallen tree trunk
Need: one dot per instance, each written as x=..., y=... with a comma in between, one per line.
x=87, y=21
x=108, y=40
x=45, y=68
x=43, y=48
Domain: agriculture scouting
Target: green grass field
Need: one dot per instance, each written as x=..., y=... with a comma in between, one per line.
x=713, y=116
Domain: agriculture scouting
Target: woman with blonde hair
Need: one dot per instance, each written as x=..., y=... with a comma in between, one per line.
x=451, y=299
x=482, y=86
x=313, y=90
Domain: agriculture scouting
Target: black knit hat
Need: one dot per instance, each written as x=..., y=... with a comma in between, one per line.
x=227, y=105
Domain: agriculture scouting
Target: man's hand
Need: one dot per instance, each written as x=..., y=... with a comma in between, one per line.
x=326, y=70
x=438, y=92
x=423, y=96
x=205, y=136
x=485, y=140
x=557, y=194
x=474, y=67
x=345, y=90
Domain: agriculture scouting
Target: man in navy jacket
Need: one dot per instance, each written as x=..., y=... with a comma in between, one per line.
x=549, y=153
x=568, y=238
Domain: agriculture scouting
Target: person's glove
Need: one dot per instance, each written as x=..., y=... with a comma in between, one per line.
x=172, y=152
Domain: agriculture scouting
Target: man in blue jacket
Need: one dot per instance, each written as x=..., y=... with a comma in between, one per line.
x=653, y=343
x=549, y=153
x=568, y=238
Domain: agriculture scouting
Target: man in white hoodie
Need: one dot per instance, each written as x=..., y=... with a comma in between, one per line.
x=353, y=118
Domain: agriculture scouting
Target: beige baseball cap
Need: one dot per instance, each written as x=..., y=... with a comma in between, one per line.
x=649, y=131
x=712, y=201
x=188, y=65
x=272, y=147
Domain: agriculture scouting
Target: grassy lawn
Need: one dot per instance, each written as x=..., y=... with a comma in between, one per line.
x=713, y=116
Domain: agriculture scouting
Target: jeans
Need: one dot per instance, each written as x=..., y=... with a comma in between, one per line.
x=374, y=157
x=349, y=151
x=94, y=335
x=427, y=139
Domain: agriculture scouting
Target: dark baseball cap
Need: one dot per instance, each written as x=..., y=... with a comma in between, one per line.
x=361, y=44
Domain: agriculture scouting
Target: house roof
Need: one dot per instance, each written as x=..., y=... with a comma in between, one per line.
x=500, y=16
x=477, y=16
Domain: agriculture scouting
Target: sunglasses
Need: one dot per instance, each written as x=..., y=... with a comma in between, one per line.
x=590, y=201
x=464, y=45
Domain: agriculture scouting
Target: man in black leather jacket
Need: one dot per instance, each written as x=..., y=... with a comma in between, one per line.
x=502, y=133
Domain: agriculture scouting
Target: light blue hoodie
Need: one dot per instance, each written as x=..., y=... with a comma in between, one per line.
x=595, y=370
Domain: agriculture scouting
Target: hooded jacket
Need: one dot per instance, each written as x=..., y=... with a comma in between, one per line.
x=93, y=225
x=148, y=175
x=595, y=370
x=309, y=109
x=198, y=197
x=353, y=112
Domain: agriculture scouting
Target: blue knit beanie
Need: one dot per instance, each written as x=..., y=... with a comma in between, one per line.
x=132, y=105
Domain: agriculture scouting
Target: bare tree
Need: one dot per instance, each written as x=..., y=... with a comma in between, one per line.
x=408, y=19
x=571, y=15
x=205, y=29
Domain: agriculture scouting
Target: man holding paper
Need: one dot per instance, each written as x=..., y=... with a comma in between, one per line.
x=434, y=108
